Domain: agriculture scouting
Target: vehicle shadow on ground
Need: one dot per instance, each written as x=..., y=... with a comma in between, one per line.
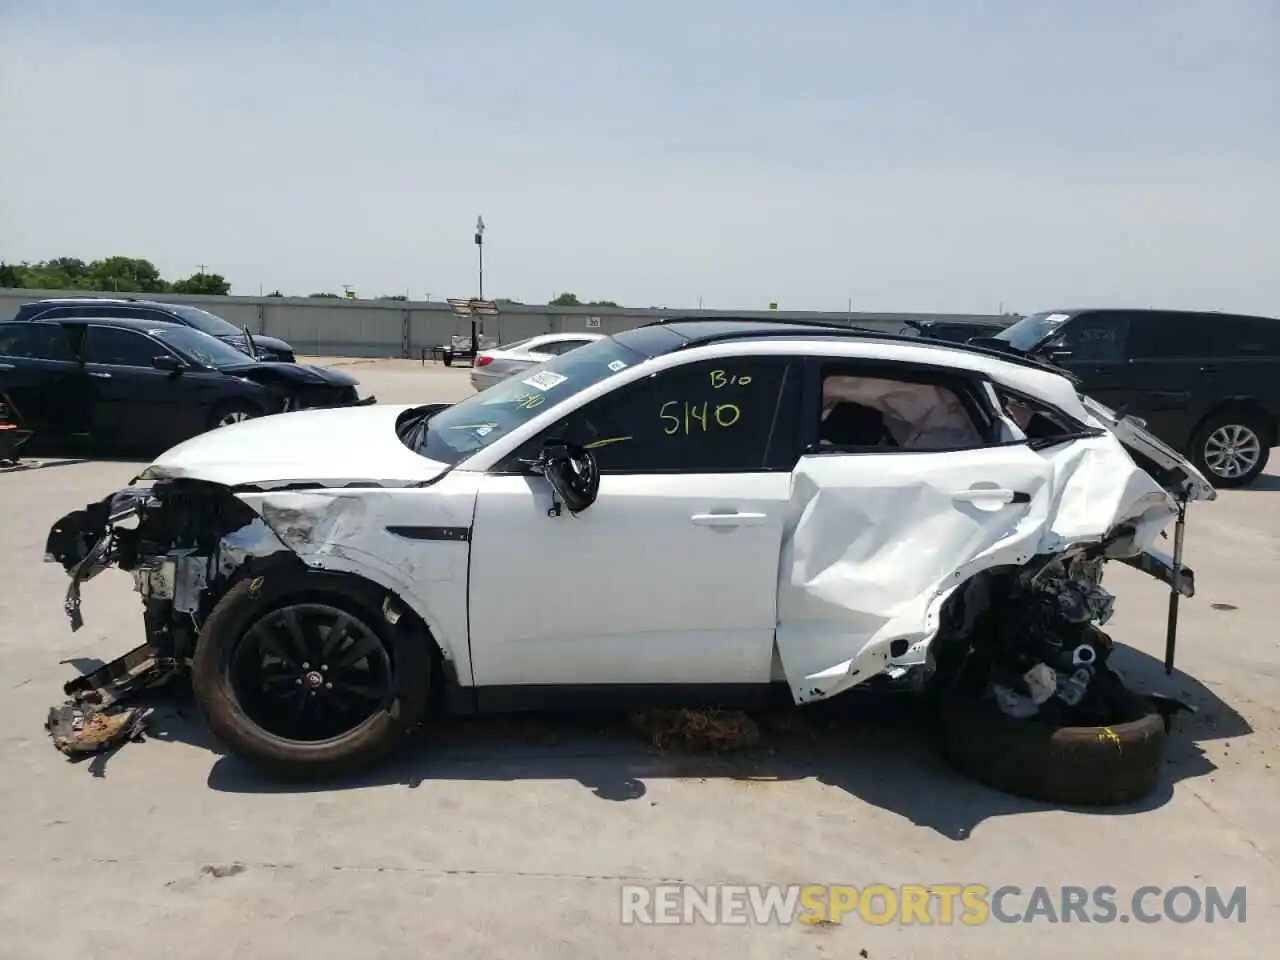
x=42, y=455
x=878, y=748
x=1266, y=483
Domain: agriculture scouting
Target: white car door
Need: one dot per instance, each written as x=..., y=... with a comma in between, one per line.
x=670, y=576
x=885, y=528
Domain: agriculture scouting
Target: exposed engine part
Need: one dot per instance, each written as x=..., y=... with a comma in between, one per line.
x=1073, y=689
x=1084, y=655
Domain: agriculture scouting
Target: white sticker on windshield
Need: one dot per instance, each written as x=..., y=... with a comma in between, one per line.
x=545, y=380
x=1054, y=319
x=617, y=365
x=484, y=429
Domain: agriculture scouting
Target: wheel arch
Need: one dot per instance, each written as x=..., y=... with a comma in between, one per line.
x=369, y=594
x=1241, y=402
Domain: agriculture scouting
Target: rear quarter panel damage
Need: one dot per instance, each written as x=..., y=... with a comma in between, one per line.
x=872, y=551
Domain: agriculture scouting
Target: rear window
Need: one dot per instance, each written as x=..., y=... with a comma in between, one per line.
x=34, y=341
x=204, y=321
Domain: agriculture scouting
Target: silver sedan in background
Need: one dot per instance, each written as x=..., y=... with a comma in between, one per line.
x=506, y=360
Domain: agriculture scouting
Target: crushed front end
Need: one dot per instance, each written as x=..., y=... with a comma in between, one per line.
x=185, y=543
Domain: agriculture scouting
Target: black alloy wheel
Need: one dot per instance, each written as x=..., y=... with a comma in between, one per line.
x=310, y=672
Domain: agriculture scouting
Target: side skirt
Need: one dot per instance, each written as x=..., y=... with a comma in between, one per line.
x=608, y=696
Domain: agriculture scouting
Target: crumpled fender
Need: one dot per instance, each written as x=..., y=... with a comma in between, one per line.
x=350, y=531
x=870, y=555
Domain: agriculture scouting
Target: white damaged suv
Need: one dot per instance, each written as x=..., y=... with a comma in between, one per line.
x=689, y=512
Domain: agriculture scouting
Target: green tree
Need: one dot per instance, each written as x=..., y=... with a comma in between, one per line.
x=601, y=303
x=275, y=293
x=211, y=283
x=566, y=300
x=398, y=296
x=10, y=275
x=125, y=274
x=323, y=296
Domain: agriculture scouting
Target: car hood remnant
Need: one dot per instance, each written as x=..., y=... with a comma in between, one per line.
x=868, y=566
x=327, y=447
x=306, y=374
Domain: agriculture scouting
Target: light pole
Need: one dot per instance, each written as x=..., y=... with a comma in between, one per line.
x=475, y=343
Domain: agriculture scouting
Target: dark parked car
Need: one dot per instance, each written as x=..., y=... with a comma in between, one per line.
x=952, y=331
x=139, y=383
x=265, y=348
x=1207, y=384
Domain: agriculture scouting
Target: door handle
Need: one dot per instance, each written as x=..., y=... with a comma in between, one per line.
x=728, y=519
x=991, y=495
x=1208, y=368
x=100, y=374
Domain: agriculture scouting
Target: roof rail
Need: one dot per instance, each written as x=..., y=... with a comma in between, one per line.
x=782, y=321
x=839, y=331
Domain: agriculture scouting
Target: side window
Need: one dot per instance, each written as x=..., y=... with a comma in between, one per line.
x=715, y=416
x=123, y=348
x=1036, y=420
x=1171, y=336
x=1095, y=337
x=34, y=341
x=1245, y=336
x=882, y=410
x=556, y=347
x=54, y=312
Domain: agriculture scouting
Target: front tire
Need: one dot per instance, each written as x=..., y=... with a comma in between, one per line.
x=233, y=412
x=1232, y=447
x=301, y=676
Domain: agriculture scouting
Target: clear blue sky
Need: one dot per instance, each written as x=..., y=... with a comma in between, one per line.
x=905, y=154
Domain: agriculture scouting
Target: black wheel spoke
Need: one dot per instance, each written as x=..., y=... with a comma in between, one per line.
x=333, y=638
x=269, y=642
x=297, y=641
x=363, y=645
x=310, y=671
x=364, y=691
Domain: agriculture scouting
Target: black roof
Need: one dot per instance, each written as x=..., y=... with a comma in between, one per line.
x=699, y=332
x=1160, y=311
x=53, y=301
x=128, y=323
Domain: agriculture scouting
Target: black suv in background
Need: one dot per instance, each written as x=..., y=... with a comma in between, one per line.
x=91, y=308
x=1207, y=384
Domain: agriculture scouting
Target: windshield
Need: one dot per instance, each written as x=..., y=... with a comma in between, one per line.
x=1031, y=331
x=207, y=322
x=467, y=427
x=201, y=348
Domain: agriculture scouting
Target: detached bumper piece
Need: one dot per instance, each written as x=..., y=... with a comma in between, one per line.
x=94, y=718
x=79, y=730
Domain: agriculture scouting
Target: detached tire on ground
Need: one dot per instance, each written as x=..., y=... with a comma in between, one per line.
x=1231, y=448
x=299, y=673
x=1074, y=766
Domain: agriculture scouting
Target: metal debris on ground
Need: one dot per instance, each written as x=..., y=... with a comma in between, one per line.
x=80, y=730
x=713, y=730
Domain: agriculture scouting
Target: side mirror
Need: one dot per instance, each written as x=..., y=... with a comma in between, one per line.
x=1058, y=355
x=168, y=362
x=573, y=473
